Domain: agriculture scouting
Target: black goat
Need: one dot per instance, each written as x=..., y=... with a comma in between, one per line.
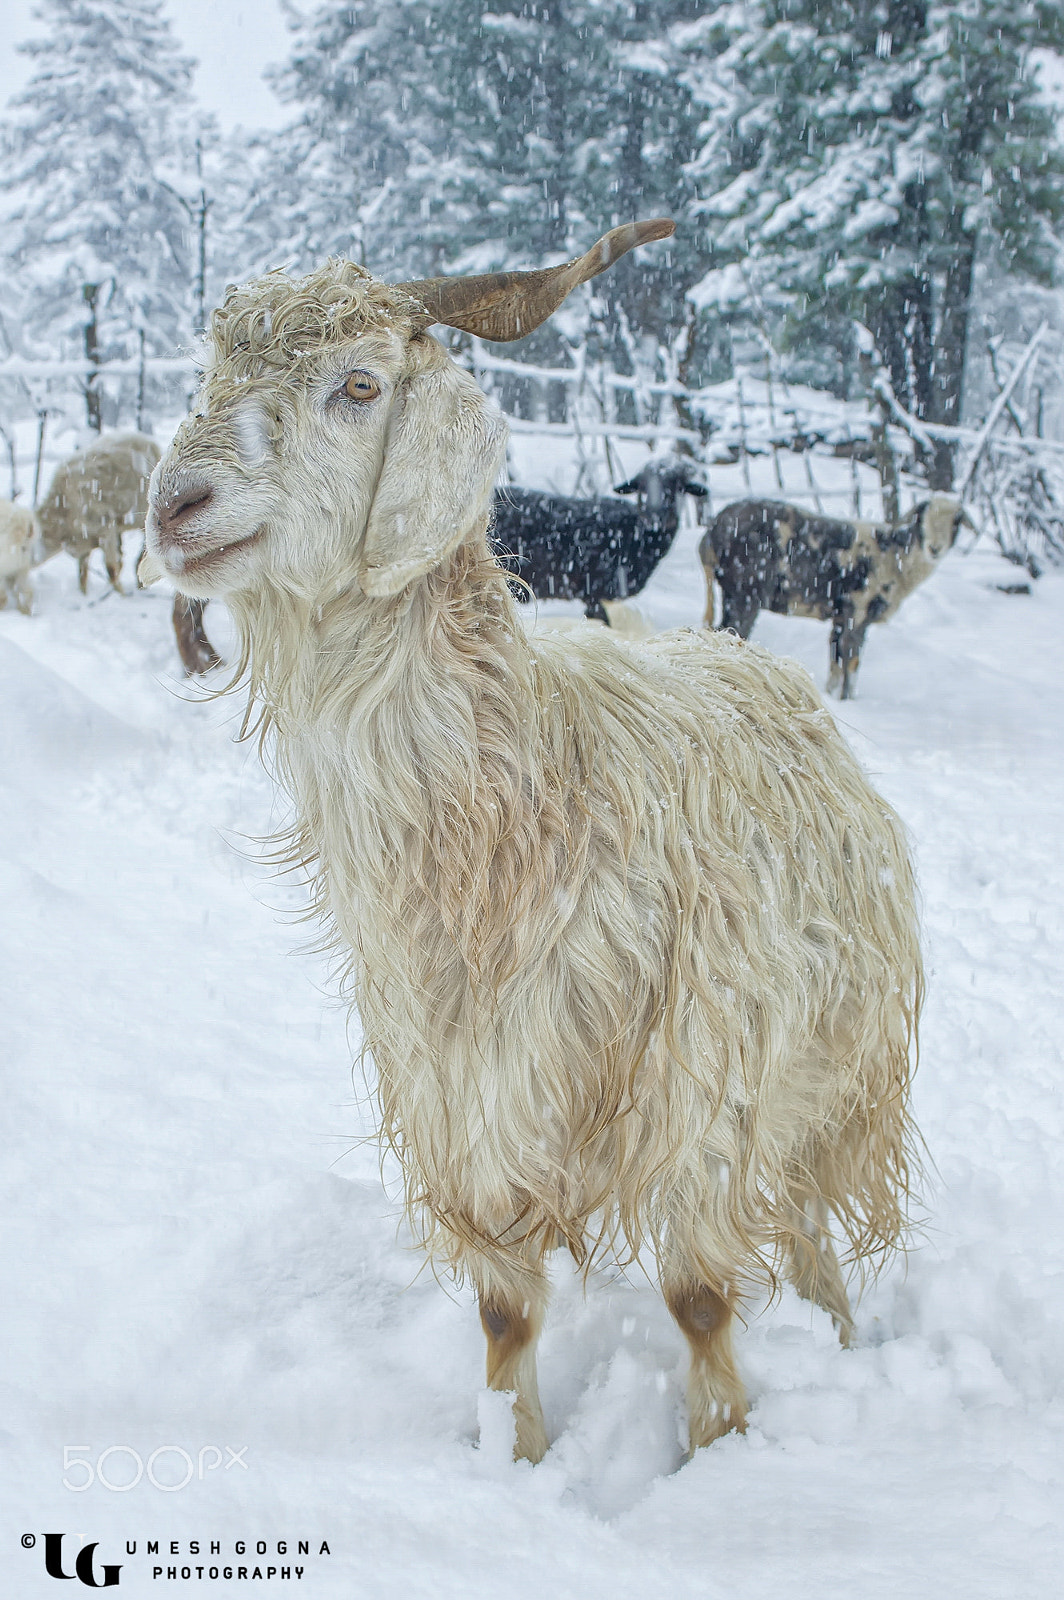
x=771, y=556
x=590, y=550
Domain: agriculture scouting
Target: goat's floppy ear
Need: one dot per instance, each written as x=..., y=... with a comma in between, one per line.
x=442, y=454
x=699, y=490
x=633, y=486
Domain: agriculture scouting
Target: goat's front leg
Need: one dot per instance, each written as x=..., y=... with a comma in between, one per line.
x=846, y=642
x=111, y=550
x=716, y=1399
x=195, y=649
x=739, y=610
x=513, y=1299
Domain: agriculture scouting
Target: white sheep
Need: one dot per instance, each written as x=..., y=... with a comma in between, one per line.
x=632, y=940
x=20, y=536
x=94, y=496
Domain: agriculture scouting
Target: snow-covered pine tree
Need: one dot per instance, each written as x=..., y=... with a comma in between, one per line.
x=373, y=167
x=439, y=135
x=858, y=156
x=228, y=189
x=584, y=121
x=96, y=234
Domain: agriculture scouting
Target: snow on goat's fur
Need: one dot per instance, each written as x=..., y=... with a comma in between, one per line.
x=19, y=544
x=632, y=940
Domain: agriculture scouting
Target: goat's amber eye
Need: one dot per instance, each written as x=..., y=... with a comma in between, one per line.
x=361, y=386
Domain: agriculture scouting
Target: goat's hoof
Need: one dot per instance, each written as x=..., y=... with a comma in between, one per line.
x=530, y=1440
x=707, y=1430
x=532, y=1450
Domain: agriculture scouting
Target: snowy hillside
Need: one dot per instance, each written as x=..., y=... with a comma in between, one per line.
x=199, y=1252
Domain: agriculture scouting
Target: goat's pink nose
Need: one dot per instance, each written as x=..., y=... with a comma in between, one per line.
x=172, y=513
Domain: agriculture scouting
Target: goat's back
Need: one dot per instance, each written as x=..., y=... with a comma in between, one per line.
x=100, y=489
x=571, y=549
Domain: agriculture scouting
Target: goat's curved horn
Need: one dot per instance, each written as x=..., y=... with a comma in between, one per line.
x=507, y=305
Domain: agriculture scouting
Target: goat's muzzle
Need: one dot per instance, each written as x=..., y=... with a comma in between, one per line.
x=172, y=514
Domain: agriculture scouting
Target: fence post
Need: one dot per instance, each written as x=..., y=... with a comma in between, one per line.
x=887, y=464
x=855, y=476
x=12, y=461
x=772, y=422
x=42, y=417
x=998, y=407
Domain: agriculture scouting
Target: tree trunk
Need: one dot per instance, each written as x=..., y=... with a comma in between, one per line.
x=549, y=101
x=887, y=466
x=42, y=417
x=684, y=347
x=141, y=377
x=90, y=294
x=947, y=382
x=202, y=209
x=895, y=321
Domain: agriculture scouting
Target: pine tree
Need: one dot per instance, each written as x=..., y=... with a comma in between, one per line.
x=860, y=155
x=95, y=223
x=367, y=170
x=438, y=135
x=585, y=122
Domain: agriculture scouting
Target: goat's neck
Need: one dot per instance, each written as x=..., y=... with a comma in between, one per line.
x=406, y=733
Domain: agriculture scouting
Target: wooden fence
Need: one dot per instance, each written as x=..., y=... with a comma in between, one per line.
x=730, y=424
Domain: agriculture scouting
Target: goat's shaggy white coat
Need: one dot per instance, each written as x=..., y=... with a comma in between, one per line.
x=632, y=940
x=20, y=536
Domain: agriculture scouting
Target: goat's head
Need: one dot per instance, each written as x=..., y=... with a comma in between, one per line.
x=659, y=485
x=333, y=441
x=938, y=522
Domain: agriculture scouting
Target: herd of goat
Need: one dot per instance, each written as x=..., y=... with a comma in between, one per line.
x=632, y=939
x=761, y=554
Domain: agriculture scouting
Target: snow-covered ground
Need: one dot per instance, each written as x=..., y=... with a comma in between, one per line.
x=199, y=1253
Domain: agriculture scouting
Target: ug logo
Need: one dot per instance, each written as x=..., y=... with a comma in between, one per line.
x=83, y=1566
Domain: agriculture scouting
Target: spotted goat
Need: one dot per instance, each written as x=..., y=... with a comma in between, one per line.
x=766, y=555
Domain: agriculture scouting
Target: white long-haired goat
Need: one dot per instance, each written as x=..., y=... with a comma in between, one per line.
x=20, y=537
x=632, y=940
